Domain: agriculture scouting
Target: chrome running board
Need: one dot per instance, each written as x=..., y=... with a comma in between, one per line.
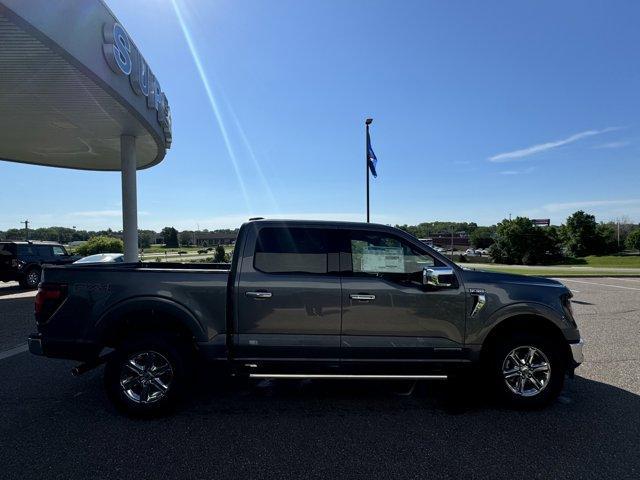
x=348, y=377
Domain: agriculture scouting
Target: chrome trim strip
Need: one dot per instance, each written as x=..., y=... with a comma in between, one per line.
x=346, y=376
x=576, y=351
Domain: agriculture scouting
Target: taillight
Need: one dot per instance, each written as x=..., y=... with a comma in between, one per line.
x=50, y=296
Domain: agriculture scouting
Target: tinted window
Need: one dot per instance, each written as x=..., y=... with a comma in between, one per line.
x=291, y=250
x=26, y=250
x=7, y=249
x=59, y=251
x=43, y=251
x=380, y=254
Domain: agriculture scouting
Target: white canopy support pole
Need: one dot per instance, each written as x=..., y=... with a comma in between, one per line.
x=129, y=197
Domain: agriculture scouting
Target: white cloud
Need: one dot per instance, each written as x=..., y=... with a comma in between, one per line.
x=560, y=207
x=524, y=171
x=100, y=213
x=234, y=221
x=542, y=147
x=620, y=144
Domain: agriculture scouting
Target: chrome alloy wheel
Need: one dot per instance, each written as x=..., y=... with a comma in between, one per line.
x=33, y=278
x=146, y=377
x=526, y=371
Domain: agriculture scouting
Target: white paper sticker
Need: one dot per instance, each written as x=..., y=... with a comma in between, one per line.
x=382, y=259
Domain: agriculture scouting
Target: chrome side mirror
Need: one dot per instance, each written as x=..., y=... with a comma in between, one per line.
x=439, y=277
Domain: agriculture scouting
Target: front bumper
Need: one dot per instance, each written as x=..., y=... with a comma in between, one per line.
x=576, y=352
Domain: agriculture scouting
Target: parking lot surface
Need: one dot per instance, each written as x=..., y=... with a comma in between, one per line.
x=55, y=426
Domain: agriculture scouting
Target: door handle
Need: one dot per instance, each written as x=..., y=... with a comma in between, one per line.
x=364, y=297
x=259, y=295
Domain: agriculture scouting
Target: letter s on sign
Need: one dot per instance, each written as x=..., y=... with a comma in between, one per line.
x=117, y=48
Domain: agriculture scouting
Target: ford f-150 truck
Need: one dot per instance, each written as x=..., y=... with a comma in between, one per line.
x=308, y=299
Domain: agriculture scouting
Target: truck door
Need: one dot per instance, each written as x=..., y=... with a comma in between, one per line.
x=288, y=296
x=387, y=313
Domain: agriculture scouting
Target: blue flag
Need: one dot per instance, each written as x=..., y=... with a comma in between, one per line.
x=371, y=157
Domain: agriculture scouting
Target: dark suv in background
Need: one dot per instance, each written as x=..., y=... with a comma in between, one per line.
x=22, y=261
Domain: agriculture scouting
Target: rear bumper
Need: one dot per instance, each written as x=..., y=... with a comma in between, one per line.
x=35, y=344
x=576, y=352
x=70, y=349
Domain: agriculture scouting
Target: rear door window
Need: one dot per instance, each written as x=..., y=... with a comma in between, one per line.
x=26, y=250
x=291, y=250
x=44, y=251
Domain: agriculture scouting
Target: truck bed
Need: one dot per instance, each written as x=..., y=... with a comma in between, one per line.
x=98, y=294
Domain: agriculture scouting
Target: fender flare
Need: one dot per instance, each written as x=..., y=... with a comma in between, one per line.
x=156, y=306
x=518, y=309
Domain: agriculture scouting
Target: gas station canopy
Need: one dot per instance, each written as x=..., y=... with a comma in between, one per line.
x=72, y=83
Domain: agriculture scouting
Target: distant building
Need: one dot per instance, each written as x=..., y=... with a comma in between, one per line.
x=209, y=239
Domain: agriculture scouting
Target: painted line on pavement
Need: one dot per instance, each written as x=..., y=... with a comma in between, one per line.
x=635, y=280
x=601, y=284
x=13, y=351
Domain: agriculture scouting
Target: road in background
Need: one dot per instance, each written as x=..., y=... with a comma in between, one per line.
x=54, y=425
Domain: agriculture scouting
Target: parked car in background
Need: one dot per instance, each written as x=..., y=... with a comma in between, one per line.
x=308, y=299
x=470, y=252
x=102, y=258
x=23, y=261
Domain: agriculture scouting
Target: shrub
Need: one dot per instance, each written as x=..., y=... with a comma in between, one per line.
x=220, y=255
x=101, y=244
x=633, y=240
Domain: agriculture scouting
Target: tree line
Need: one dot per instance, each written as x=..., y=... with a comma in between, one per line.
x=512, y=241
x=520, y=241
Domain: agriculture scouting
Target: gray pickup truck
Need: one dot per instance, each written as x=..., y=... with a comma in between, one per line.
x=308, y=299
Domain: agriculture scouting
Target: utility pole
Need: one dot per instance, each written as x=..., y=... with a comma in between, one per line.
x=26, y=229
x=618, y=234
x=452, y=243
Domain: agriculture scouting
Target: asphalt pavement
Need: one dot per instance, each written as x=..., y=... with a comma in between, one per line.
x=53, y=425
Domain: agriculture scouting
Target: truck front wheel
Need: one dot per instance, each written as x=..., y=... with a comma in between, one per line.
x=146, y=375
x=527, y=370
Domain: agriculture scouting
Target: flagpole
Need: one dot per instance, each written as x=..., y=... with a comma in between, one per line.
x=366, y=163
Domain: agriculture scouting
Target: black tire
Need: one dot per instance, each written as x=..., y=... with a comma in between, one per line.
x=31, y=278
x=121, y=373
x=526, y=387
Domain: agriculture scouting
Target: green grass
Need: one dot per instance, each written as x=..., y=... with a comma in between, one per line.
x=617, y=261
x=160, y=250
x=556, y=271
x=606, y=265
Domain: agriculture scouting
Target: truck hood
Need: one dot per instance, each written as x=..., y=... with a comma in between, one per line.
x=483, y=276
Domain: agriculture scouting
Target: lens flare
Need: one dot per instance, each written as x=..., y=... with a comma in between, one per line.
x=212, y=101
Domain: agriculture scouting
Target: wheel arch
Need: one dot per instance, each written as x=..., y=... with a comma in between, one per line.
x=524, y=322
x=147, y=314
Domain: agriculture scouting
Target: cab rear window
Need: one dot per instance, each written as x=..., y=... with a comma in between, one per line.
x=291, y=250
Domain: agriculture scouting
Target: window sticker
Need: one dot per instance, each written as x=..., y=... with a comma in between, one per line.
x=382, y=259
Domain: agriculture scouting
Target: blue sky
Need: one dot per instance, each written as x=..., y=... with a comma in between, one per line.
x=480, y=109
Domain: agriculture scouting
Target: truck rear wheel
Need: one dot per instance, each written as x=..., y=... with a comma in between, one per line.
x=527, y=370
x=147, y=375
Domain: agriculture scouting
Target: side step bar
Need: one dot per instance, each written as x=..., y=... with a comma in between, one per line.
x=347, y=377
